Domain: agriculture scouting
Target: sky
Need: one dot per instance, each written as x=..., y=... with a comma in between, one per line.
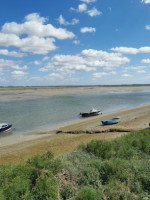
x=74, y=42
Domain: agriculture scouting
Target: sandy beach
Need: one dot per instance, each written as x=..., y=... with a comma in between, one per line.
x=18, y=148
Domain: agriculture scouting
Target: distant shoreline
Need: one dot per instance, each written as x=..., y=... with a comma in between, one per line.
x=69, y=86
x=43, y=92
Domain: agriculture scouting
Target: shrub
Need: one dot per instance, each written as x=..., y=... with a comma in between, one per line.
x=45, y=188
x=102, y=149
x=67, y=191
x=17, y=189
x=88, y=193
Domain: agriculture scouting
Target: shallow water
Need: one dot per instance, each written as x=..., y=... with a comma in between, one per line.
x=29, y=115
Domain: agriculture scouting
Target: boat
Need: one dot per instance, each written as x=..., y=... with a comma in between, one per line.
x=114, y=120
x=5, y=127
x=92, y=112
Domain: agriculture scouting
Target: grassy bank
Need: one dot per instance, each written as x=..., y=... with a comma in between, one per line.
x=118, y=169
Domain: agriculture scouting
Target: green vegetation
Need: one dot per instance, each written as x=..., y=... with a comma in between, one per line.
x=100, y=170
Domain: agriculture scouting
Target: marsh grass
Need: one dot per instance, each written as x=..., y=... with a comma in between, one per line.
x=118, y=169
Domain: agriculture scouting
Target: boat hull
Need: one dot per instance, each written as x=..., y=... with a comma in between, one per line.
x=111, y=121
x=90, y=114
x=6, y=129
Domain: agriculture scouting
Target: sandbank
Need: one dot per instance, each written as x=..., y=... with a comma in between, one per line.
x=20, y=93
x=18, y=148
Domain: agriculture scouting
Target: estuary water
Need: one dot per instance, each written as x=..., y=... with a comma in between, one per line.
x=28, y=115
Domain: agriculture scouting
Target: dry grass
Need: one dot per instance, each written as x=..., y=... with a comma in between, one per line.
x=58, y=144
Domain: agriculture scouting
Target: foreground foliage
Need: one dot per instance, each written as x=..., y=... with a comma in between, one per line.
x=100, y=170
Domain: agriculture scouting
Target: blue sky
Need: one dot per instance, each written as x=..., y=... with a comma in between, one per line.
x=74, y=42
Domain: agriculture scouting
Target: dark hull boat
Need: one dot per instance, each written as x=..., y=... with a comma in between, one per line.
x=114, y=120
x=92, y=112
x=5, y=127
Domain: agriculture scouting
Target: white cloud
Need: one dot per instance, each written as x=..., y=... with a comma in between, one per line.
x=76, y=41
x=146, y=1
x=130, y=50
x=147, y=61
x=62, y=21
x=144, y=50
x=147, y=27
x=141, y=71
x=36, y=62
x=88, y=1
x=87, y=60
x=125, y=50
x=45, y=58
x=11, y=64
x=94, y=12
x=100, y=74
x=33, y=35
x=87, y=29
x=82, y=8
x=54, y=75
x=126, y=75
x=34, y=44
x=5, y=52
x=18, y=74
x=134, y=68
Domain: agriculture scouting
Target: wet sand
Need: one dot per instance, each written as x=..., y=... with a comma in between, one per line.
x=15, y=149
x=41, y=92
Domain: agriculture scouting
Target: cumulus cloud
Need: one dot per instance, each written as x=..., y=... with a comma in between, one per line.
x=146, y=1
x=147, y=27
x=134, y=68
x=130, y=50
x=146, y=61
x=87, y=29
x=100, y=74
x=141, y=71
x=76, y=41
x=125, y=50
x=36, y=62
x=62, y=21
x=18, y=74
x=82, y=8
x=94, y=12
x=87, y=60
x=11, y=64
x=126, y=75
x=54, y=75
x=35, y=26
x=33, y=35
x=5, y=52
x=88, y=1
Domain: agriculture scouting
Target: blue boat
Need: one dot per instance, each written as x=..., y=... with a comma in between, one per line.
x=114, y=120
x=5, y=127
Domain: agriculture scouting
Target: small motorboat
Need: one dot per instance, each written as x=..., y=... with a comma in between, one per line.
x=5, y=127
x=114, y=120
x=92, y=112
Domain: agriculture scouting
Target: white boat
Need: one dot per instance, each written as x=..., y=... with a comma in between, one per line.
x=93, y=112
x=5, y=127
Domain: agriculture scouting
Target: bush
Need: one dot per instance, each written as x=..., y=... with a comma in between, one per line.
x=88, y=193
x=67, y=191
x=17, y=189
x=45, y=188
